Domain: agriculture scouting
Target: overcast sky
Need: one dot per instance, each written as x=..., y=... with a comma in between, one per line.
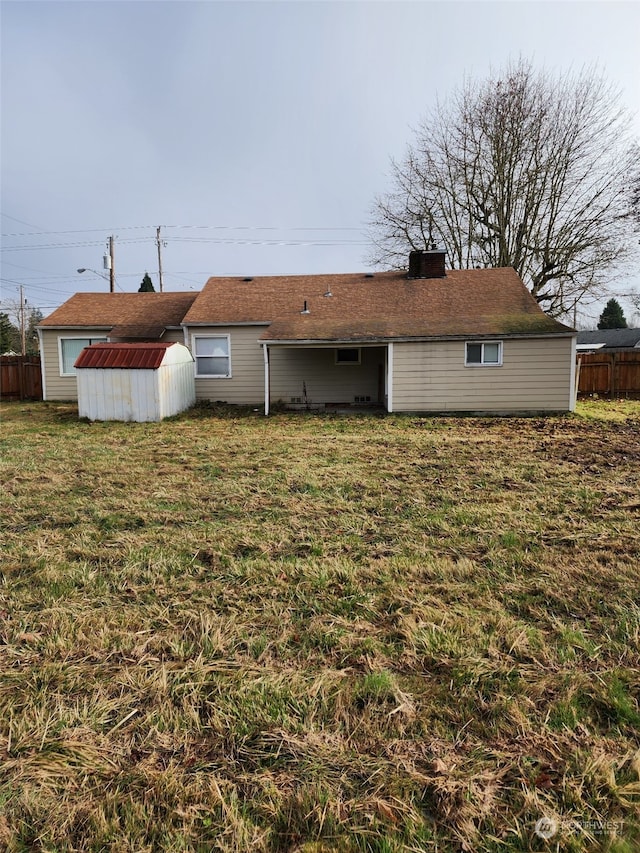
x=255, y=133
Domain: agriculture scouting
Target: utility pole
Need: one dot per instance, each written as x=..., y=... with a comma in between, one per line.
x=159, y=244
x=23, y=331
x=112, y=267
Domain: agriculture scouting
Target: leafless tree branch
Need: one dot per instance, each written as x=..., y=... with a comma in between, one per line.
x=524, y=170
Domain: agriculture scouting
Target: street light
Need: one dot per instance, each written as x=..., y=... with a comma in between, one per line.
x=108, y=265
x=95, y=272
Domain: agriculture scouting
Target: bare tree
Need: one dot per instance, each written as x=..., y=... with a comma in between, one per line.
x=522, y=170
x=635, y=192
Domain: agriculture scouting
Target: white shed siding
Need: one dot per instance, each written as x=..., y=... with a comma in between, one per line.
x=246, y=383
x=134, y=394
x=176, y=388
x=535, y=375
x=118, y=394
x=295, y=368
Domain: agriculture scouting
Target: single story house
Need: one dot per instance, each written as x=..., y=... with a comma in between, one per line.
x=90, y=318
x=422, y=340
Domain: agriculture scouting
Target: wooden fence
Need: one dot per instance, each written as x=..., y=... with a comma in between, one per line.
x=614, y=374
x=609, y=374
x=20, y=377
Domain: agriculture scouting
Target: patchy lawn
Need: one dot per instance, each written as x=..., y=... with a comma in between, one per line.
x=230, y=633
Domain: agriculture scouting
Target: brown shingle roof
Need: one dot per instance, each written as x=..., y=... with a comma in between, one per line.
x=137, y=310
x=383, y=306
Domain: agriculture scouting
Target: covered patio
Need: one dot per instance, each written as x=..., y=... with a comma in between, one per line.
x=331, y=376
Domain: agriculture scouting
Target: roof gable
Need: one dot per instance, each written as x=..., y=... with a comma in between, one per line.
x=134, y=313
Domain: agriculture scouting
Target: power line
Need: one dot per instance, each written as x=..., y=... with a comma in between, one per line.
x=40, y=286
x=20, y=267
x=75, y=245
x=211, y=240
x=61, y=278
x=21, y=221
x=75, y=231
x=195, y=227
x=248, y=242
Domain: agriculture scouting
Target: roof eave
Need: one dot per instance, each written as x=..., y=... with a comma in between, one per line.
x=220, y=323
x=100, y=326
x=412, y=338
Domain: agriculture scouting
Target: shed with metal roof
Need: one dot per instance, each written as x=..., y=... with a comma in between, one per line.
x=134, y=381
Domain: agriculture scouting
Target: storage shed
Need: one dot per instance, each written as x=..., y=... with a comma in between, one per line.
x=134, y=382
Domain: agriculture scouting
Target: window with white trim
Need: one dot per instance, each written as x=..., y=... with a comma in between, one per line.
x=213, y=356
x=483, y=354
x=349, y=355
x=70, y=349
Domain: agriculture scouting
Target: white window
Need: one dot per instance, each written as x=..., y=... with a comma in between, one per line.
x=483, y=354
x=212, y=354
x=348, y=356
x=70, y=349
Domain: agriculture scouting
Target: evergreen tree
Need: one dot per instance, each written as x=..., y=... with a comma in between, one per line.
x=9, y=335
x=612, y=317
x=32, y=342
x=147, y=285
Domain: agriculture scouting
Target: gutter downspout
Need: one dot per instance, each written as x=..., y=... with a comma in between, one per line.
x=42, y=370
x=390, y=377
x=267, y=389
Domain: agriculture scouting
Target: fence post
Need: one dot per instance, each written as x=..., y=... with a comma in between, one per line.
x=577, y=380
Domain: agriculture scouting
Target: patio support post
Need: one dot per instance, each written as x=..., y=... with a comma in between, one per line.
x=267, y=389
x=41, y=351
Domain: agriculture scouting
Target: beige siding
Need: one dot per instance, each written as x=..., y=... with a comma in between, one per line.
x=246, y=383
x=174, y=336
x=171, y=336
x=56, y=386
x=535, y=375
x=294, y=368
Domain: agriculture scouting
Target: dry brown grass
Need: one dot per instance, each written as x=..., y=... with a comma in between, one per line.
x=318, y=633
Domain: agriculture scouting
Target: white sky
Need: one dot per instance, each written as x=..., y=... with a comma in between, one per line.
x=256, y=133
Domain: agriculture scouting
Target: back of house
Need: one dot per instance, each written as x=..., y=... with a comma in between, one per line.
x=423, y=340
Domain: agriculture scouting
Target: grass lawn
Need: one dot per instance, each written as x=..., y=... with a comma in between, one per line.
x=320, y=633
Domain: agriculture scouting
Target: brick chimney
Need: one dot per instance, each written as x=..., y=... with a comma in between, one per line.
x=426, y=264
